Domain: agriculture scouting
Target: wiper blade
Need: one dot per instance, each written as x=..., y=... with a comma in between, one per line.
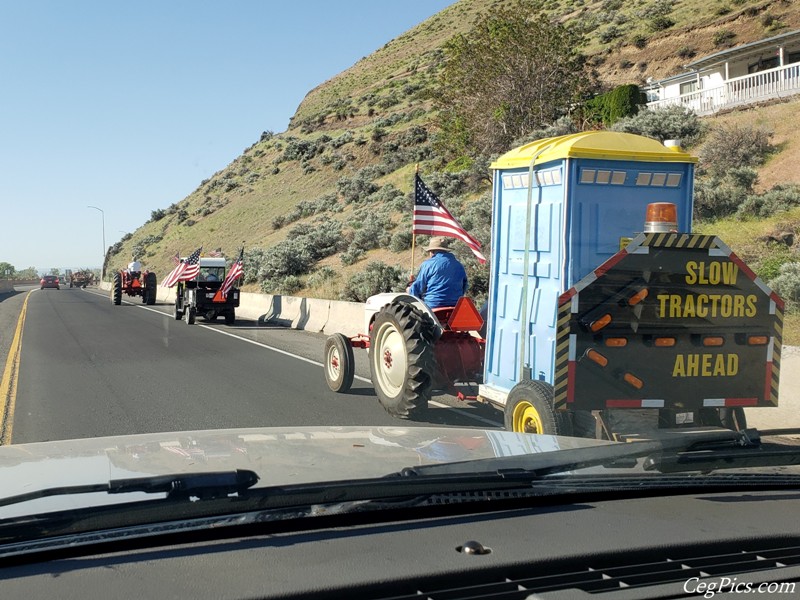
x=747, y=451
x=214, y=484
x=657, y=445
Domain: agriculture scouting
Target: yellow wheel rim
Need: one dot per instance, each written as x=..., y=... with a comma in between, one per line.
x=526, y=418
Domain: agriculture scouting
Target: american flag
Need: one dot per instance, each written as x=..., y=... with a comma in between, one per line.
x=432, y=218
x=188, y=269
x=234, y=273
x=176, y=260
x=216, y=253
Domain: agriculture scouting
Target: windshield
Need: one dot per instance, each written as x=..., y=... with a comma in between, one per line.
x=425, y=247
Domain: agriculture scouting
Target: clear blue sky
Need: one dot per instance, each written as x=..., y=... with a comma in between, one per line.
x=127, y=106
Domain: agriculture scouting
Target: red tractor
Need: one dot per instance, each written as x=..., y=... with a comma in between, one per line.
x=136, y=283
x=413, y=350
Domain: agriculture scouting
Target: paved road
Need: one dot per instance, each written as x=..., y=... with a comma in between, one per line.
x=89, y=368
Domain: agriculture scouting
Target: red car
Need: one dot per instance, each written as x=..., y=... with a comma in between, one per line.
x=49, y=281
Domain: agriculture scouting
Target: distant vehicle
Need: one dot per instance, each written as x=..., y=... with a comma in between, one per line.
x=49, y=281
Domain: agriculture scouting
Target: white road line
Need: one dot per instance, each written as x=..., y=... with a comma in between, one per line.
x=309, y=361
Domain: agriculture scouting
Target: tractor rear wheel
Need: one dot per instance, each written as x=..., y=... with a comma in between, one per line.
x=150, y=288
x=116, y=289
x=401, y=358
x=230, y=317
x=339, y=363
x=190, y=315
x=176, y=312
x=529, y=409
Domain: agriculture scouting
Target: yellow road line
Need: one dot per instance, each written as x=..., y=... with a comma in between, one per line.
x=8, y=385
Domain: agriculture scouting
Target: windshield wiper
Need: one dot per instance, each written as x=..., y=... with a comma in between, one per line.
x=215, y=484
x=664, y=450
x=747, y=451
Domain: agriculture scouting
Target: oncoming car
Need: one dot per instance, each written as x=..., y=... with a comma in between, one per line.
x=49, y=281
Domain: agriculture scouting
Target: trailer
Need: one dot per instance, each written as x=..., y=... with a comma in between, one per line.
x=604, y=306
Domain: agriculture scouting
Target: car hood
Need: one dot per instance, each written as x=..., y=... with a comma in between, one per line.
x=280, y=456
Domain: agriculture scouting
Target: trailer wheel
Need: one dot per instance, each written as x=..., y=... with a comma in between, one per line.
x=116, y=289
x=230, y=317
x=401, y=358
x=529, y=409
x=150, y=284
x=339, y=363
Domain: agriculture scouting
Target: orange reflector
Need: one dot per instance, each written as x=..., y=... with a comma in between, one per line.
x=664, y=342
x=633, y=380
x=661, y=217
x=713, y=341
x=218, y=297
x=616, y=342
x=600, y=323
x=595, y=356
x=757, y=340
x=465, y=317
x=638, y=297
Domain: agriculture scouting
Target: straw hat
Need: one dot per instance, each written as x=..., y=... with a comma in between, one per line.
x=439, y=243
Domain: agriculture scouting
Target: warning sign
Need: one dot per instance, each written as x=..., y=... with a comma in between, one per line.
x=671, y=321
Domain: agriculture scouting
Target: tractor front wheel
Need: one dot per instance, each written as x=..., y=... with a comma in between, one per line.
x=339, y=363
x=401, y=358
x=116, y=289
x=529, y=409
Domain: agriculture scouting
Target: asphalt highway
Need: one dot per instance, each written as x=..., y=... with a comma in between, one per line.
x=87, y=368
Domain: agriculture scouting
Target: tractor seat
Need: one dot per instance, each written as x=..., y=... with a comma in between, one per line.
x=443, y=313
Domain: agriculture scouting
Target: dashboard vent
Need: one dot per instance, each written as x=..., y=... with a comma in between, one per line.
x=619, y=572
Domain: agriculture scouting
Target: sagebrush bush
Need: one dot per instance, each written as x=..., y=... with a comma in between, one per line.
x=669, y=123
x=282, y=285
x=716, y=197
x=727, y=147
x=779, y=199
x=787, y=283
x=377, y=277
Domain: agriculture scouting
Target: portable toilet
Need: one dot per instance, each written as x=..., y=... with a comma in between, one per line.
x=561, y=207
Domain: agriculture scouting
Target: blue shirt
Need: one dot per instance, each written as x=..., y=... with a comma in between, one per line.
x=442, y=280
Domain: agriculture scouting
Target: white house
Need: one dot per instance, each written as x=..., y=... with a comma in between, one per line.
x=749, y=73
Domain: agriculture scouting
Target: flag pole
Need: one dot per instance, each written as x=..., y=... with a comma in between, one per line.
x=413, y=235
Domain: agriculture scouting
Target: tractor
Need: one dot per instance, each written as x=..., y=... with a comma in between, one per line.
x=136, y=283
x=201, y=296
x=413, y=350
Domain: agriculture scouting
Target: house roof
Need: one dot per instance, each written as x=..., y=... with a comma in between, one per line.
x=772, y=43
x=727, y=55
x=605, y=145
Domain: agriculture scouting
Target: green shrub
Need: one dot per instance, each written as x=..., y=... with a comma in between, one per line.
x=716, y=197
x=730, y=146
x=622, y=101
x=377, y=277
x=669, y=123
x=400, y=241
x=158, y=214
x=723, y=37
x=787, y=283
x=779, y=199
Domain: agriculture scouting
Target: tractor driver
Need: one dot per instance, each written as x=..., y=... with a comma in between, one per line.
x=442, y=279
x=135, y=268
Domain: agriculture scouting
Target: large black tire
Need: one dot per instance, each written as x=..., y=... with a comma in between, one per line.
x=177, y=313
x=150, y=285
x=339, y=363
x=116, y=289
x=529, y=409
x=230, y=317
x=401, y=358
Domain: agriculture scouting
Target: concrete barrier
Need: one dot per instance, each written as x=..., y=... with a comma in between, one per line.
x=346, y=318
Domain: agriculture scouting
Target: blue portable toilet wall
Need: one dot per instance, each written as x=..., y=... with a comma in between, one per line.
x=584, y=203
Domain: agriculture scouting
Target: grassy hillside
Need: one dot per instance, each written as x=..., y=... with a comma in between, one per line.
x=344, y=167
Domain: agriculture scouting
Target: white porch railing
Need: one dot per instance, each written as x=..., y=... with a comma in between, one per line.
x=748, y=89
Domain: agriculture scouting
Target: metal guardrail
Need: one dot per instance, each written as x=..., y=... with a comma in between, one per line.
x=779, y=82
